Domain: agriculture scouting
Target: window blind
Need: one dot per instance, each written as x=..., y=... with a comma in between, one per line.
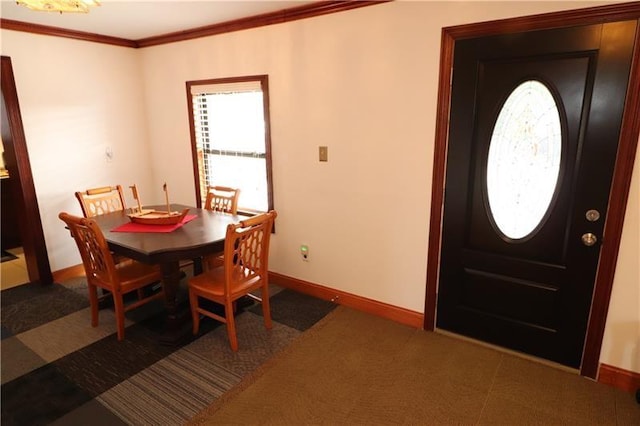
x=235, y=87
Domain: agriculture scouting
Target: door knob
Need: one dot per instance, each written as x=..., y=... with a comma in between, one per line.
x=589, y=239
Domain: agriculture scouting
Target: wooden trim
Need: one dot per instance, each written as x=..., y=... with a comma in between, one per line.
x=627, y=381
x=266, y=114
x=622, y=174
x=195, y=161
x=278, y=17
x=562, y=19
x=67, y=273
x=383, y=310
x=438, y=179
x=615, y=217
x=26, y=27
x=19, y=167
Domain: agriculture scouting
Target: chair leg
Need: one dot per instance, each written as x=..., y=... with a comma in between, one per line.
x=119, y=308
x=266, y=308
x=195, y=315
x=93, y=302
x=231, y=326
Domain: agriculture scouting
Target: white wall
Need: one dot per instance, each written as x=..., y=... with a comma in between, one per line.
x=621, y=343
x=77, y=98
x=362, y=82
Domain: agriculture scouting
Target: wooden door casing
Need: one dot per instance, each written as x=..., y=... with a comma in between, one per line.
x=17, y=158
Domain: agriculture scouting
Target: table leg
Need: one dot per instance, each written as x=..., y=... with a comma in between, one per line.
x=177, y=325
x=197, y=266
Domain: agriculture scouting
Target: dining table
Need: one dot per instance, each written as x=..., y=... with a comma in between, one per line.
x=202, y=233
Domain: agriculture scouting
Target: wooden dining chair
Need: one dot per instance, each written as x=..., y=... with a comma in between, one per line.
x=102, y=200
x=102, y=271
x=222, y=199
x=97, y=201
x=246, y=258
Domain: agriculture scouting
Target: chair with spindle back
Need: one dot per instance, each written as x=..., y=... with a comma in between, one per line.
x=97, y=201
x=245, y=269
x=222, y=199
x=102, y=271
x=102, y=200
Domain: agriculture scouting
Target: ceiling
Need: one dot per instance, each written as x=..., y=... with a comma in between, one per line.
x=135, y=20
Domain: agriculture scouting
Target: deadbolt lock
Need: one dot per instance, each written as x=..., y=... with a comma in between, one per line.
x=589, y=239
x=592, y=215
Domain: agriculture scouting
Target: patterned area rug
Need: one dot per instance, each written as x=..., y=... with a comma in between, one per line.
x=57, y=369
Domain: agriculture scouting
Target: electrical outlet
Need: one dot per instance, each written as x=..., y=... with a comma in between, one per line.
x=304, y=252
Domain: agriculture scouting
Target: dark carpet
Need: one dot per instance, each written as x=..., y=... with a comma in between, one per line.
x=6, y=256
x=57, y=369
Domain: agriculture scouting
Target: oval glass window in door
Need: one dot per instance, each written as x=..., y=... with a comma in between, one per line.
x=524, y=160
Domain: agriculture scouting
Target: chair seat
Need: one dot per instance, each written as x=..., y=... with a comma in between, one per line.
x=132, y=273
x=211, y=283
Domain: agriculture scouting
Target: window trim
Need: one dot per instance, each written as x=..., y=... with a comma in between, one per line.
x=264, y=85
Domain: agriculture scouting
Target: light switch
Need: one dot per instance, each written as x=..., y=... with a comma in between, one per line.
x=323, y=153
x=108, y=154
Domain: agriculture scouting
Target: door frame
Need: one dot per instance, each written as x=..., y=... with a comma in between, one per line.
x=17, y=158
x=629, y=132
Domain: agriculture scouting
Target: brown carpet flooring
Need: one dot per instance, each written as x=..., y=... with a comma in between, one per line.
x=357, y=369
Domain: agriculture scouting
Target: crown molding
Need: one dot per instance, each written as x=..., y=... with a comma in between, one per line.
x=26, y=27
x=278, y=17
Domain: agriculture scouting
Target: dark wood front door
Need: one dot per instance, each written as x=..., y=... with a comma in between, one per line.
x=530, y=288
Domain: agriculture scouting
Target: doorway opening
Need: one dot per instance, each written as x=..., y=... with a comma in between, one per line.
x=20, y=184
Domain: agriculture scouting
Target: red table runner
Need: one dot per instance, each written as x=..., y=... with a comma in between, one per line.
x=141, y=227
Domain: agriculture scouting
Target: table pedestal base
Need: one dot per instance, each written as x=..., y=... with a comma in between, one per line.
x=177, y=330
x=178, y=327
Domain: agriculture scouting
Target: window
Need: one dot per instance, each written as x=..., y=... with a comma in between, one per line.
x=229, y=120
x=524, y=160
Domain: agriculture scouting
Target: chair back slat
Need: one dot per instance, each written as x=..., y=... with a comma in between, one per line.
x=99, y=201
x=222, y=199
x=246, y=252
x=96, y=257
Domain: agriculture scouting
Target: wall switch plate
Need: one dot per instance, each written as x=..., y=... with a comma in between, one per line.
x=323, y=153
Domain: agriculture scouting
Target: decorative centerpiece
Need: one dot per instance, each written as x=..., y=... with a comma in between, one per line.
x=155, y=217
